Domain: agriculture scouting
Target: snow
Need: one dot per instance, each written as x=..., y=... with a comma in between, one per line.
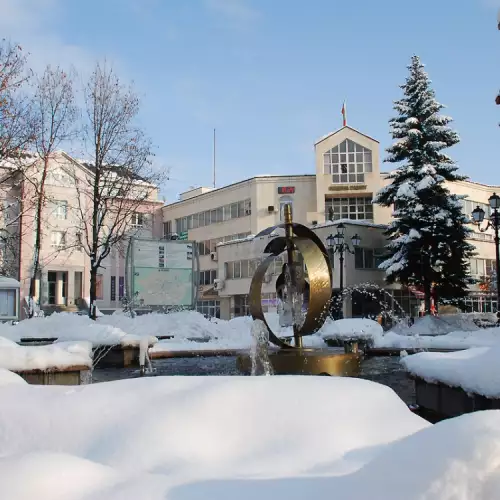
x=352, y=222
x=352, y=328
x=73, y=327
x=7, y=377
x=9, y=282
x=60, y=355
x=475, y=370
x=191, y=331
x=204, y=432
x=192, y=438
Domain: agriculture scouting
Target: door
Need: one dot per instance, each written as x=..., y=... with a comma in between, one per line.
x=78, y=285
x=52, y=282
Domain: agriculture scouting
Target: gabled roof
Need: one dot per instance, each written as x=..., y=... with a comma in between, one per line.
x=337, y=131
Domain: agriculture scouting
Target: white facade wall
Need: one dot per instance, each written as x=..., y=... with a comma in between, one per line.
x=312, y=194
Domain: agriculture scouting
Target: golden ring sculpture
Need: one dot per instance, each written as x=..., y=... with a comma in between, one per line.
x=298, y=238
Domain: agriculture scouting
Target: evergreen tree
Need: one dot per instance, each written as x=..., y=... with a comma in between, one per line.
x=427, y=238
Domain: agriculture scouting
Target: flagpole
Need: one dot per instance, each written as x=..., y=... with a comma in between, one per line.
x=344, y=114
x=214, y=160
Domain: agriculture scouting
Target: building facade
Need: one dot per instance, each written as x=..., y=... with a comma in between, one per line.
x=222, y=222
x=64, y=278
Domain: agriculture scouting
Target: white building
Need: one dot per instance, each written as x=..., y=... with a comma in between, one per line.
x=346, y=179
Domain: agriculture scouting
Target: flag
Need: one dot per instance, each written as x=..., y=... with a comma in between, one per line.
x=344, y=114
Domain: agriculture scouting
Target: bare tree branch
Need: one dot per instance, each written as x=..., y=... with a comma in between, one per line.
x=56, y=113
x=120, y=182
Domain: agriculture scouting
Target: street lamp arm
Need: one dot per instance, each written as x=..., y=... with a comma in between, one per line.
x=483, y=229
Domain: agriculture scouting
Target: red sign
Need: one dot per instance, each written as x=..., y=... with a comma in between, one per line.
x=286, y=190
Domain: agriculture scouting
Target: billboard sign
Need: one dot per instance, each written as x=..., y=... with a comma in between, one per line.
x=162, y=272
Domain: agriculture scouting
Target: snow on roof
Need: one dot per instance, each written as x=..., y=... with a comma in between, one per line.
x=9, y=282
x=351, y=222
x=321, y=139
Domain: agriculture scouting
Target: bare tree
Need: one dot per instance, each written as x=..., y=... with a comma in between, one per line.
x=121, y=181
x=55, y=116
x=16, y=126
x=16, y=136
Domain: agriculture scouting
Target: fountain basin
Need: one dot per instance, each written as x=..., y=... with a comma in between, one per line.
x=72, y=375
x=118, y=356
x=307, y=362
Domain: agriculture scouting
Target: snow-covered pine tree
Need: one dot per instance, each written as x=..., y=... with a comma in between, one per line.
x=427, y=238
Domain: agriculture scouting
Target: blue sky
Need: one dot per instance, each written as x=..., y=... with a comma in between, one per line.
x=271, y=75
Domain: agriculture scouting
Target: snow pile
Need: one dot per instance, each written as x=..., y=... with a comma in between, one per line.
x=70, y=327
x=60, y=355
x=351, y=329
x=453, y=340
x=475, y=370
x=202, y=428
x=219, y=334
x=182, y=324
x=7, y=377
x=441, y=325
x=229, y=437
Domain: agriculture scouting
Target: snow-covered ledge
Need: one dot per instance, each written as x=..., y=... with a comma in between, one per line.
x=475, y=370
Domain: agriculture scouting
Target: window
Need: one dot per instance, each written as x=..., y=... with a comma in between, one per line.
x=210, y=308
x=285, y=200
x=58, y=177
x=121, y=287
x=480, y=303
x=167, y=229
x=7, y=303
x=469, y=205
x=348, y=162
x=57, y=239
x=214, y=216
x=367, y=258
x=137, y=219
x=248, y=207
x=241, y=305
x=113, y=289
x=60, y=209
x=482, y=267
x=207, y=277
x=99, y=287
x=350, y=208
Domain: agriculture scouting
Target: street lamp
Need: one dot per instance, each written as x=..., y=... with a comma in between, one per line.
x=337, y=244
x=494, y=222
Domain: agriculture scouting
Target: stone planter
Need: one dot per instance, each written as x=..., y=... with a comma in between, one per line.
x=73, y=375
x=449, y=401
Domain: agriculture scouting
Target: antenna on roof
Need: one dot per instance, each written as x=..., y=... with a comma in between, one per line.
x=214, y=159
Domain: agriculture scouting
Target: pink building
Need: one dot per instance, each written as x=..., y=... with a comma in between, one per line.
x=64, y=277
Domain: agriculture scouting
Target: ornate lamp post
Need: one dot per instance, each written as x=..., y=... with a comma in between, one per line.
x=494, y=222
x=337, y=244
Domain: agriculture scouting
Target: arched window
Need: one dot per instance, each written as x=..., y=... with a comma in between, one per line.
x=348, y=162
x=285, y=200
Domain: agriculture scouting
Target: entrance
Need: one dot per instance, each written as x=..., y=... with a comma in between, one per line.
x=52, y=282
x=78, y=286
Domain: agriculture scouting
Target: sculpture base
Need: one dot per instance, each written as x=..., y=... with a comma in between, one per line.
x=307, y=362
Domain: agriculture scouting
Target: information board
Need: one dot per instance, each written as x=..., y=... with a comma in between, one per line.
x=162, y=272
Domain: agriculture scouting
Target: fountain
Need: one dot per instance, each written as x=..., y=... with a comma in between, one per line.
x=296, y=290
x=390, y=308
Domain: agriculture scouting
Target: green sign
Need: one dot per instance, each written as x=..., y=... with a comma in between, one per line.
x=162, y=272
x=183, y=235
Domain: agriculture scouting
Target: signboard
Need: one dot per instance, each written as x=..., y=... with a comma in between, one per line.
x=183, y=235
x=348, y=187
x=162, y=273
x=286, y=189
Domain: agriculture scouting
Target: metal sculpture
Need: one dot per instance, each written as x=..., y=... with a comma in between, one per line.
x=298, y=240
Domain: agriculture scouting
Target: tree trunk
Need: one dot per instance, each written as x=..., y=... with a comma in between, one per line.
x=93, y=293
x=427, y=296
x=38, y=239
